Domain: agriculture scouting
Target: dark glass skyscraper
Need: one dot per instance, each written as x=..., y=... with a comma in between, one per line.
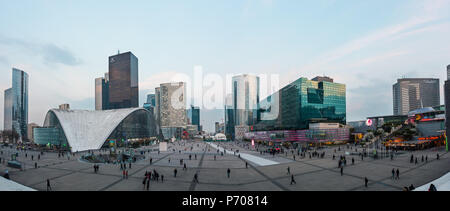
x=16, y=104
x=123, y=81
x=194, y=116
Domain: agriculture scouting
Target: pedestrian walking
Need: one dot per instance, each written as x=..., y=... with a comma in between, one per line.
x=145, y=181
x=228, y=173
x=49, y=188
x=246, y=165
x=342, y=171
x=293, y=180
x=162, y=178
x=393, y=173
x=148, y=184
x=175, y=173
x=398, y=174
x=288, y=170
x=195, y=178
x=366, y=181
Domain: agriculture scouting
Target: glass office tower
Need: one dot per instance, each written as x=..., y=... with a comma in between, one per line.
x=245, y=99
x=7, y=115
x=302, y=102
x=194, y=116
x=151, y=99
x=123, y=81
x=20, y=102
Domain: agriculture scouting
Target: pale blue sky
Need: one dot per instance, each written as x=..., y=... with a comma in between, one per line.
x=64, y=45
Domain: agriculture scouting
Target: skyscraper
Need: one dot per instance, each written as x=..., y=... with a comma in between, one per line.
x=413, y=93
x=123, y=81
x=171, y=108
x=16, y=104
x=151, y=99
x=245, y=99
x=194, y=116
x=7, y=115
x=447, y=103
x=102, y=93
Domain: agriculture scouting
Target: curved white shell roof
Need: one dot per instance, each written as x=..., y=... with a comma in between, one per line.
x=88, y=130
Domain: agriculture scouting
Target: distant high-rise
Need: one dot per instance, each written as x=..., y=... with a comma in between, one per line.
x=7, y=115
x=30, y=131
x=102, y=93
x=172, y=106
x=245, y=99
x=151, y=99
x=170, y=110
x=413, y=93
x=447, y=103
x=64, y=107
x=123, y=81
x=16, y=104
x=323, y=78
x=194, y=116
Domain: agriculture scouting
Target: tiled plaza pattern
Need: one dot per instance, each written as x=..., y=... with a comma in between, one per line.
x=310, y=173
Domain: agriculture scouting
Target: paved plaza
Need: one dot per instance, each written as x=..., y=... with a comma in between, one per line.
x=66, y=174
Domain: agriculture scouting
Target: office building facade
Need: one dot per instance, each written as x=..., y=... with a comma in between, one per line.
x=16, y=104
x=123, y=81
x=413, y=93
x=245, y=99
x=171, y=109
x=30, y=131
x=447, y=103
x=102, y=93
x=193, y=115
x=300, y=103
x=7, y=110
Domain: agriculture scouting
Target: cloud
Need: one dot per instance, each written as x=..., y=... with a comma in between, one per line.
x=4, y=60
x=51, y=53
x=55, y=54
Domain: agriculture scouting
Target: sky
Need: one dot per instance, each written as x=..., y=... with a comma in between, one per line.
x=64, y=45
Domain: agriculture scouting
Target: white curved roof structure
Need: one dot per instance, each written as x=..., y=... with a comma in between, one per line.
x=88, y=130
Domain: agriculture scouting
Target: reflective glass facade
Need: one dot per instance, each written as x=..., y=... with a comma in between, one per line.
x=245, y=99
x=7, y=115
x=137, y=125
x=49, y=135
x=20, y=102
x=151, y=99
x=194, y=116
x=302, y=102
x=123, y=81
